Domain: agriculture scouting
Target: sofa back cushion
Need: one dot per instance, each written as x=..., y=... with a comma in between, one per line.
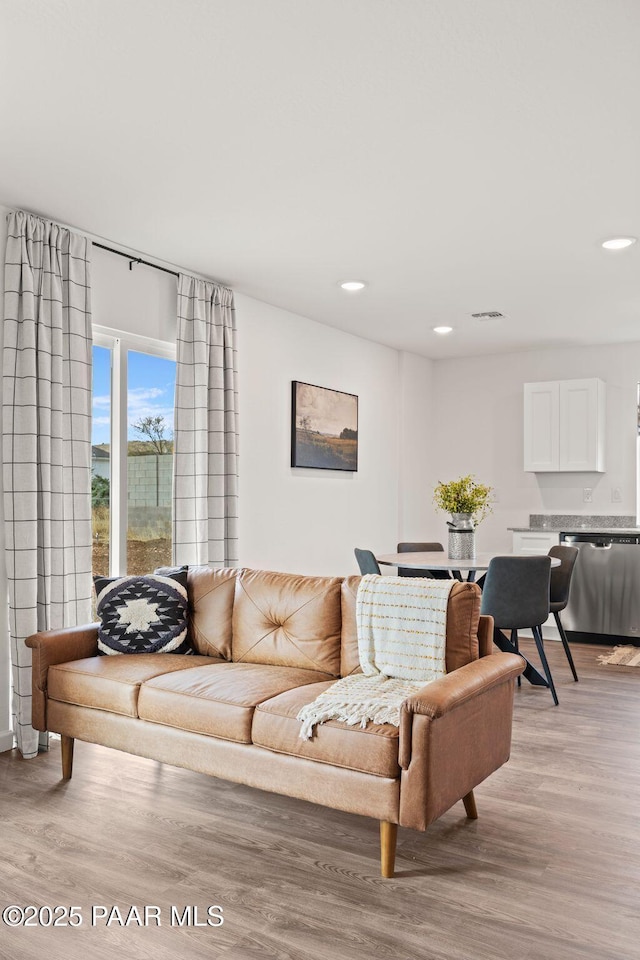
x=289, y=620
x=463, y=615
x=211, y=595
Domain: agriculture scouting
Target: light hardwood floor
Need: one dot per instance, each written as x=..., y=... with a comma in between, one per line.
x=549, y=871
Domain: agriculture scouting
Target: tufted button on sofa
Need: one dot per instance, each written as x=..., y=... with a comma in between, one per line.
x=265, y=645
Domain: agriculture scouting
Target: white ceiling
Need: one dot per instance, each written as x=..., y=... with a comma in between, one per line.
x=459, y=155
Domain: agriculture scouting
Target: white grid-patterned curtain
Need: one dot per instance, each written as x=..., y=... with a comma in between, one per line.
x=46, y=442
x=206, y=426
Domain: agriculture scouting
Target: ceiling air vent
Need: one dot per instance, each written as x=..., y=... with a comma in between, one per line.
x=488, y=315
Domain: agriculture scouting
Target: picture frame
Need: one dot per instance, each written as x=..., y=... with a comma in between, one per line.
x=324, y=428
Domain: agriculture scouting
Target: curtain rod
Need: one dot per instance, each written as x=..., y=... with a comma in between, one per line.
x=132, y=260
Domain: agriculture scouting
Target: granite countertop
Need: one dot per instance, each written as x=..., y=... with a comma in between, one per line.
x=579, y=523
x=573, y=529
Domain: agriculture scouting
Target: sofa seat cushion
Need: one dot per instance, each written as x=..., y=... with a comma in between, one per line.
x=373, y=749
x=112, y=683
x=218, y=701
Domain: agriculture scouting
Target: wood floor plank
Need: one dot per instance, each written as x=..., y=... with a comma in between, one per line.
x=549, y=871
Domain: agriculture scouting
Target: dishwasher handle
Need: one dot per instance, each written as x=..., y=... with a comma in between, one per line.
x=602, y=542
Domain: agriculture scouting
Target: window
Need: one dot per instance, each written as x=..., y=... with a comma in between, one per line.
x=132, y=452
x=101, y=459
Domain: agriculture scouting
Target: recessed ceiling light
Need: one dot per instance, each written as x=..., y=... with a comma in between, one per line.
x=618, y=243
x=353, y=285
x=442, y=329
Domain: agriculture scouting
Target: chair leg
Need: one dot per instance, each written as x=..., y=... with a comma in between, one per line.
x=565, y=644
x=470, y=805
x=515, y=641
x=66, y=745
x=537, y=635
x=388, y=837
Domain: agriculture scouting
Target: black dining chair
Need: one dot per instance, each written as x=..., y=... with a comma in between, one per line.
x=366, y=561
x=422, y=548
x=516, y=595
x=560, y=587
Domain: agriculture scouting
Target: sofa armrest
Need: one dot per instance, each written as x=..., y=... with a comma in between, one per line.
x=485, y=636
x=453, y=734
x=56, y=646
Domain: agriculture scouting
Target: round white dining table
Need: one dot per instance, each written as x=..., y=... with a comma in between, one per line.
x=440, y=561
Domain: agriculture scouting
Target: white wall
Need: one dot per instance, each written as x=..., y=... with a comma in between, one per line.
x=6, y=736
x=479, y=416
x=141, y=300
x=418, y=461
x=309, y=521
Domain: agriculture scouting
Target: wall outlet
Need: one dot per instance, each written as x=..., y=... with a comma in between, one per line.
x=616, y=495
x=587, y=494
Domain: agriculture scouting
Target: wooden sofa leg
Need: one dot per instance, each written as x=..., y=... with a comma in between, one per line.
x=67, y=756
x=388, y=837
x=470, y=806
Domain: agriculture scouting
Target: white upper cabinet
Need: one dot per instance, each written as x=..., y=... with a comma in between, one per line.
x=582, y=425
x=541, y=425
x=564, y=426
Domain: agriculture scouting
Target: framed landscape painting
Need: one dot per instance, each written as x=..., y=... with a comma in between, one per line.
x=324, y=428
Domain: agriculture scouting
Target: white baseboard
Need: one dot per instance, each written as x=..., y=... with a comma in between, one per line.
x=6, y=740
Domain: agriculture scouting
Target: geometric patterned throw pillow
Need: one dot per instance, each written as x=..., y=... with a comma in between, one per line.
x=145, y=614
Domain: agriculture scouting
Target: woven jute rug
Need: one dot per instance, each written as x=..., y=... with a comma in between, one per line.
x=623, y=656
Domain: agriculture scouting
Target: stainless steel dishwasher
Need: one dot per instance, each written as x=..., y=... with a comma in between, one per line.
x=604, y=603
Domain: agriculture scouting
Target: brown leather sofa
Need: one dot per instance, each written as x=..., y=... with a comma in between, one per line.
x=267, y=643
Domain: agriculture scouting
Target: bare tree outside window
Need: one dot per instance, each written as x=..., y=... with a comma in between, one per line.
x=156, y=431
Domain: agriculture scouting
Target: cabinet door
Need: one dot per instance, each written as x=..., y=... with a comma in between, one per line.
x=582, y=425
x=534, y=543
x=541, y=426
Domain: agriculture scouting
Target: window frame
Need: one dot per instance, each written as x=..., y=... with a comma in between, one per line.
x=119, y=343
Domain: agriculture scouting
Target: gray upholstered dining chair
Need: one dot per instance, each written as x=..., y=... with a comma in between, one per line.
x=366, y=561
x=560, y=586
x=516, y=595
x=434, y=547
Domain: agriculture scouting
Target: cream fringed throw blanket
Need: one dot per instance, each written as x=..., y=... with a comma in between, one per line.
x=402, y=625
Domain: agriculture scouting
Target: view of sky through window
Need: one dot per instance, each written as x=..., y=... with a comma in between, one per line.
x=151, y=392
